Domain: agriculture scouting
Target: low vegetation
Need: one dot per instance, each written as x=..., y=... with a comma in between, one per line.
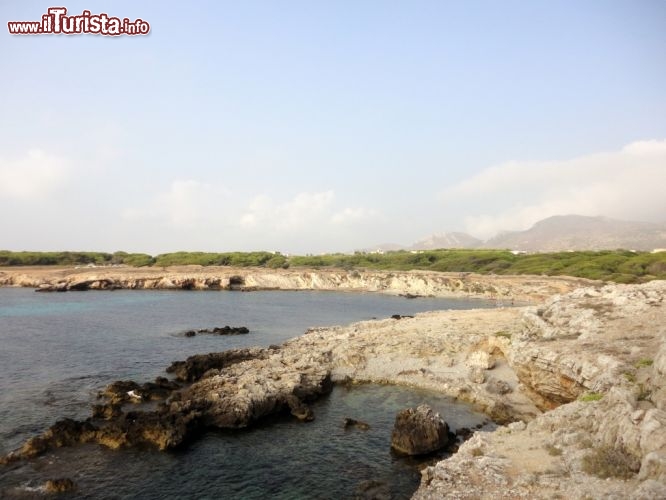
x=74, y=258
x=591, y=396
x=643, y=363
x=605, y=462
x=618, y=266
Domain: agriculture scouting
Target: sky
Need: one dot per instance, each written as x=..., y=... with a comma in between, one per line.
x=308, y=127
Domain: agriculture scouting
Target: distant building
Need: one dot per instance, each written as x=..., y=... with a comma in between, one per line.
x=657, y=250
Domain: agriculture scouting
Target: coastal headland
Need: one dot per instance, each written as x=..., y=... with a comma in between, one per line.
x=577, y=379
x=524, y=288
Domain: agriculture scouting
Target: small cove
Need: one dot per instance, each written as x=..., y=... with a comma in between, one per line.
x=62, y=348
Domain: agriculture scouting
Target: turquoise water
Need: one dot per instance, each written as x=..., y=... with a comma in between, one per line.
x=57, y=350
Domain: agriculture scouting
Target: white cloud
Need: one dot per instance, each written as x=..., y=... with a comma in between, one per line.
x=35, y=175
x=353, y=215
x=303, y=211
x=626, y=184
x=186, y=202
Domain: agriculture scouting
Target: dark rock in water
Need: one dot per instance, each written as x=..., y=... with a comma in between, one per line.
x=106, y=411
x=373, y=490
x=161, y=428
x=160, y=389
x=410, y=295
x=61, y=485
x=399, y=316
x=352, y=422
x=464, y=433
x=124, y=391
x=66, y=432
x=194, y=367
x=119, y=391
x=419, y=431
x=224, y=330
x=299, y=409
x=245, y=393
x=231, y=330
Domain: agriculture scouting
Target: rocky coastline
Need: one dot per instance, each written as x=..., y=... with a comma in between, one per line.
x=410, y=284
x=578, y=381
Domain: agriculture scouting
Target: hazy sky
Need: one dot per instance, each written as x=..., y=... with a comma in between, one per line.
x=306, y=126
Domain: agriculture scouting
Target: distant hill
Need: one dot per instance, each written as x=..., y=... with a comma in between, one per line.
x=577, y=232
x=447, y=240
x=557, y=233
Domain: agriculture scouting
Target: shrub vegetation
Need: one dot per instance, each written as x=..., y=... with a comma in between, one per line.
x=612, y=265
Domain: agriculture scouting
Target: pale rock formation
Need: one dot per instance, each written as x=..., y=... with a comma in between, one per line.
x=409, y=283
x=596, y=356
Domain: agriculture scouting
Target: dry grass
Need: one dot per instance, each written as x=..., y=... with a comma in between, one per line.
x=608, y=462
x=553, y=450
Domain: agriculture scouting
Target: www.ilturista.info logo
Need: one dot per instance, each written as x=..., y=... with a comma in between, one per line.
x=56, y=21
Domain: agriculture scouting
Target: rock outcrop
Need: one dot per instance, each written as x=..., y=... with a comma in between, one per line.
x=194, y=367
x=579, y=381
x=219, y=330
x=348, y=423
x=60, y=485
x=407, y=283
x=419, y=431
x=595, y=359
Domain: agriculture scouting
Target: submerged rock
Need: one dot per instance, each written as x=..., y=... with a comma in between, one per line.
x=224, y=330
x=373, y=489
x=61, y=485
x=352, y=422
x=419, y=431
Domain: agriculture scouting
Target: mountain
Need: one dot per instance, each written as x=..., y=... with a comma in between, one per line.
x=446, y=240
x=577, y=232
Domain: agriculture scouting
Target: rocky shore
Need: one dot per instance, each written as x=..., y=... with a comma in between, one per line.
x=411, y=284
x=579, y=381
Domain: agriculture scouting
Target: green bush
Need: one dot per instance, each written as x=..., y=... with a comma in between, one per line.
x=618, y=265
x=591, y=396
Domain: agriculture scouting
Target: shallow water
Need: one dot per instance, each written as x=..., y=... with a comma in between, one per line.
x=57, y=350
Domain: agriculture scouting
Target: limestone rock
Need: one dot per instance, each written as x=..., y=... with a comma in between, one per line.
x=480, y=359
x=419, y=431
x=194, y=367
x=477, y=375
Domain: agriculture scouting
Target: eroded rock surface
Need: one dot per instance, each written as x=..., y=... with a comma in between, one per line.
x=596, y=357
x=578, y=378
x=419, y=431
x=406, y=283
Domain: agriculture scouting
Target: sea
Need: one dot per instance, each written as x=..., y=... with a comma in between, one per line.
x=57, y=350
